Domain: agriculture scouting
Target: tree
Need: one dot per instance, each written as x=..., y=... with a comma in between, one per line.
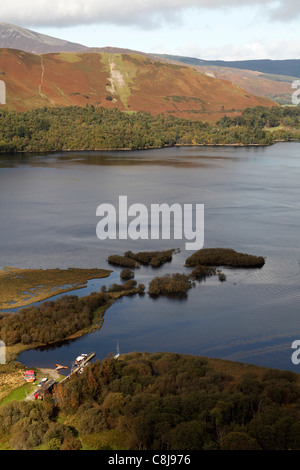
x=239, y=441
x=190, y=435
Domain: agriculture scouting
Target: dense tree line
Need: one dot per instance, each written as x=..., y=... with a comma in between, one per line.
x=52, y=321
x=28, y=425
x=90, y=128
x=169, y=401
x=160, y=401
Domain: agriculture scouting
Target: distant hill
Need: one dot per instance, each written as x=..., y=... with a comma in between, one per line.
x=129, y=82
x=266, y=78
x=16, y=37
x=290, y=67
x=275, y=87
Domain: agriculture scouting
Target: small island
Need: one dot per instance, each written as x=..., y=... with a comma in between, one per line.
x=123, y=261
x=146, y=258
x=153, y=258
x=224, y=257
x=126, y=274
x=172, y=285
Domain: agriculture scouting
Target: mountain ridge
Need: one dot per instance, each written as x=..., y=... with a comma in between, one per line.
x=16, y=37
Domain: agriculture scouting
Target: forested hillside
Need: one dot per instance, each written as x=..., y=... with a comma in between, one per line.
x=161, y=401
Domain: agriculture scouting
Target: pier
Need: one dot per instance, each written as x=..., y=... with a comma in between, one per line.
x=48, y=386
x=78, y=368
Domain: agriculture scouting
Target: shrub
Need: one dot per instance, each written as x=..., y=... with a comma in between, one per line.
x=127, y=274
x=177, y=284
x=122, y=261
x=153, y=258
x=131, y=284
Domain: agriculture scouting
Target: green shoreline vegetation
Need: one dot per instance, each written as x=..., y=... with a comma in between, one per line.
x=90, y=128
x=160, y=402
x=56, y=321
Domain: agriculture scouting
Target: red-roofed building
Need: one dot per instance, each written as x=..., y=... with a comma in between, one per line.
x=29, y=376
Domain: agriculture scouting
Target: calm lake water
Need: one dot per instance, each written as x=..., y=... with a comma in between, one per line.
x=252, y=204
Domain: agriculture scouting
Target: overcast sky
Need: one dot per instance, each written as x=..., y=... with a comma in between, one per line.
x=208, y=29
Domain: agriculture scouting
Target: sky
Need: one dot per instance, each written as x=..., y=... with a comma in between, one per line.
x=206, y=29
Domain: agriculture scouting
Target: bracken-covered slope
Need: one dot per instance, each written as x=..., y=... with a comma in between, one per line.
x=269, y=78
x=275, y=87
x=129, y=82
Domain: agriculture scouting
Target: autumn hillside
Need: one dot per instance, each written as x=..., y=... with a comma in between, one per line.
x=128, y=82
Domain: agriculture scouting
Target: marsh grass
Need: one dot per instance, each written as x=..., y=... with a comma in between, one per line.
x=20, y=287
x=11, y=380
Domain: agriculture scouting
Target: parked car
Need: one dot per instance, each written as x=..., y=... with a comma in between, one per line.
x=42, y=381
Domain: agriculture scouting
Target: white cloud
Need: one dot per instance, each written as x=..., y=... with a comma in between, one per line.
x=145, y=13
x=279, y=49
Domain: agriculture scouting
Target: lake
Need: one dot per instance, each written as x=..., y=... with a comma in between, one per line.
x=252, y=204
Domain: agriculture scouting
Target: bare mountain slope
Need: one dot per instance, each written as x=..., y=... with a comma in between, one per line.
x=16, y=37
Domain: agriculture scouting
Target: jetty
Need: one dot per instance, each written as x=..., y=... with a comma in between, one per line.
x=78, y=368
x=47, y=387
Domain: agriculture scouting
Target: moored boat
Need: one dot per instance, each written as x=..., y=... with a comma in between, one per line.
x=80, y=359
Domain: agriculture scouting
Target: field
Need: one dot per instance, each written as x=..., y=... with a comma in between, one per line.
x=11, y=380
